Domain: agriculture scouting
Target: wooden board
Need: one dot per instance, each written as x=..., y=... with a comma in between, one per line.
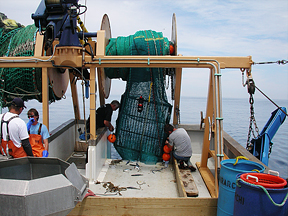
x=180, y=186
x=146, y=206
x=188, y=182
x=208, y=178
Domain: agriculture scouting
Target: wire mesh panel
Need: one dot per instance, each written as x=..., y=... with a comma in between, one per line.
x=140, y=134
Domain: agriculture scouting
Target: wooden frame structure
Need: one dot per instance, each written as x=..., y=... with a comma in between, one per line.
x=72, y=56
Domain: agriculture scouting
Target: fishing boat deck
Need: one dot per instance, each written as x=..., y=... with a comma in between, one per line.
x=123, y=178
x=143, y=193
x=128, y=180
x=150, y=184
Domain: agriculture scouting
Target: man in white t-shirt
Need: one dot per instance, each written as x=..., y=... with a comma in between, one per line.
x=14, y=135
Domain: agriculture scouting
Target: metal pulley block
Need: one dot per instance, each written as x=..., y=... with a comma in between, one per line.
x=250, y=86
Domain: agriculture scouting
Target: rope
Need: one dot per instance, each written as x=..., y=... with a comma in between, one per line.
x=151, y=84
x=82, y=26
x=159, y=73
x=153, y=92
x=240, y=157
x=271, y=100
x=244, y=158
x=9, y=34
x=265, y=191
x=271, y=62
x=20, y=94
x=254, y=86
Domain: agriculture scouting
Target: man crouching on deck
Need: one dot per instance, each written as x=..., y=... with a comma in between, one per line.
x=180, y=139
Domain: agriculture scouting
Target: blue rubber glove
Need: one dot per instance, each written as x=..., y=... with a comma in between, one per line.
x=45, y=153
x=29, y=123
x=82, y=136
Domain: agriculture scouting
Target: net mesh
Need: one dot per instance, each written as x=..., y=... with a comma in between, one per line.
x=140, y=135
x=17, y=40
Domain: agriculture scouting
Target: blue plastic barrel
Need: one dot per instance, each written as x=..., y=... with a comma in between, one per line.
x=253, y=200
x=227, y=182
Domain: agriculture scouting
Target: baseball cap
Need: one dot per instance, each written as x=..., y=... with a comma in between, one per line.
x=18, y=102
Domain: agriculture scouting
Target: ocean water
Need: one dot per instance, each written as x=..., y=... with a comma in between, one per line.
x=236, y=113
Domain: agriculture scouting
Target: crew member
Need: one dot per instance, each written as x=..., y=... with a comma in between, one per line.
x=103, y=116
x=38, y=134
x=180, y=140
x=14, y=135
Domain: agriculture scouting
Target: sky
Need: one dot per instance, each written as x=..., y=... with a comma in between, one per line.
x=256, y=28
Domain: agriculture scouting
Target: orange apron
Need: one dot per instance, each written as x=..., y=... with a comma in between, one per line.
x=36, y=143
x=14, y=151
x=8, y=147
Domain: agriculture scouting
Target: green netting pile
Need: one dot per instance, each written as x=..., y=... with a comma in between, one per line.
x=140, y=135
x=17, y=40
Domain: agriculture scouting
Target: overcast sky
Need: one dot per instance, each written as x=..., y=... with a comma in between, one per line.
x=204, y=28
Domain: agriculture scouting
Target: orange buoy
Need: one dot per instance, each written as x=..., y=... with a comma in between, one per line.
x=166, y=149
x=166, y=157
x=111, y=138
x=171, y=49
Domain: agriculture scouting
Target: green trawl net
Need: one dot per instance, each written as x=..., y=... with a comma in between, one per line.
x=17, y=40
x=140, y=135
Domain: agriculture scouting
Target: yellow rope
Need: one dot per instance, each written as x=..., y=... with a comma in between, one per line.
x=82, y=26
x=240, y=157
x=244, y=158
x=150, y=92
x=148, y=39
x=10, y=24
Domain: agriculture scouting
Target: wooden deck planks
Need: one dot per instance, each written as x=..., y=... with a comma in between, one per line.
x=146, y=206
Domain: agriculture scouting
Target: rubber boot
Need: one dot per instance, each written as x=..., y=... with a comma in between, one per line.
x=181, y=166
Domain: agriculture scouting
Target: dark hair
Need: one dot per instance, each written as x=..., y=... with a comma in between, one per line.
x=34, y=111
x=13, y=106
x=167, y=128
x=115, y=103
x=16, y=104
